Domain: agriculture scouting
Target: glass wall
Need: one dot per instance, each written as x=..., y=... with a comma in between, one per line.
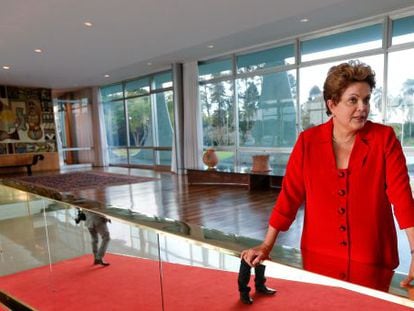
x=139, y=119
x=48, y=263
x=249, y=107
x=257, y=102
x=74, y=127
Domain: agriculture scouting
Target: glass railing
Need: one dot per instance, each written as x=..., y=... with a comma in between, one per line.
x=46, y=263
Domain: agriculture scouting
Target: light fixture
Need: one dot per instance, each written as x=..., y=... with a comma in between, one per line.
x=149, y=64
x=6, y=67
x=106, y=76
x=210, y=46
x=88, y=24
x=38, y=50
x=304, y=20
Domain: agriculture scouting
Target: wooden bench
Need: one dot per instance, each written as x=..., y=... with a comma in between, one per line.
x=26, y=160
x=243, y=177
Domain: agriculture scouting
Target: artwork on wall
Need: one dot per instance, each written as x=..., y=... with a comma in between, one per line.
x=35, y=147
x=26, y=120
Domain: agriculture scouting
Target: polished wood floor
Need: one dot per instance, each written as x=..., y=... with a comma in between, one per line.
x=230, y=209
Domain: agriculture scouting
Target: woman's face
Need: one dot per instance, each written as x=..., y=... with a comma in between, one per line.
x=350, y=113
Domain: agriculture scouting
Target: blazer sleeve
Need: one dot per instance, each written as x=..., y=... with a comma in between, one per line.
x=292, y=194
x=398, y=182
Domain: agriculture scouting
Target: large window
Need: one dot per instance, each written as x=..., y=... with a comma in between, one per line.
x=267, y=115
x=342, y=43
x=257, y=102
x=249, y=108
x=400, y=96
x=116, y=135
x=403, y=30
x=139, y=121
x=218, y=113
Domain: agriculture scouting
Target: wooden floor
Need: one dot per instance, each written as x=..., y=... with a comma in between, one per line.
x=230, y=209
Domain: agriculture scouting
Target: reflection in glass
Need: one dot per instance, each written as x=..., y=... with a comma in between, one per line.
x=164, y=157
x=217, y=109
x=137, y=87
x=164, y=105
x=118, y=155
x=74, y=119
x=403, y=30
x=351, y=271
x=48, y=263
x=140, y=121
x=149, y=105
x=351, y=41
x=267, y=116
x=226, y=160
x=40, y=233
x=277, y=161
x=313, y=111
x=283, y=55
x=112, y=92
x=140, y=156
x=162, y=80
x=400, y=101
x=215, y=69
x=114, y=118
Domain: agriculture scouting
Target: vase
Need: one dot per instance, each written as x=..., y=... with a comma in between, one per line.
x=261, y=163
x=210, y=158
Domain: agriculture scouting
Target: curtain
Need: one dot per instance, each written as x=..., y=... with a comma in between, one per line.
x=193, y=140
x=100, y=143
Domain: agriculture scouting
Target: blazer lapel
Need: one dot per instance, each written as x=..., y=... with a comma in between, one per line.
x=360, y=150
x=326, y=144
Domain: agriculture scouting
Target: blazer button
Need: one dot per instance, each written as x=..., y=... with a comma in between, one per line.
x=341, y=210
x=341, y=192
x=341, y=174
x=342, y=228
x=344, y=243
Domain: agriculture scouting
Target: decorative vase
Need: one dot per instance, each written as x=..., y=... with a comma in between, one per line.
x=210, y=158
x=261, y=163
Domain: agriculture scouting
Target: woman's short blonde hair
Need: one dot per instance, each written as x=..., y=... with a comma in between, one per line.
x=341, y=76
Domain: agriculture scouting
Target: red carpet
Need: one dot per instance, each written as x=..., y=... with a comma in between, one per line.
x=133, y=284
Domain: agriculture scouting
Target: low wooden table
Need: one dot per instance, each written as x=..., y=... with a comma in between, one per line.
x=241, y=177
x=22, y=160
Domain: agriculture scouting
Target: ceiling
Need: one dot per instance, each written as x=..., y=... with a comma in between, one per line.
x=127, y=35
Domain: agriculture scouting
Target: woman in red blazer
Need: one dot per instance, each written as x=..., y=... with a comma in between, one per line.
x=347, y=172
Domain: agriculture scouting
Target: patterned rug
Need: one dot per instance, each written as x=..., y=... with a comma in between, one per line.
x=79, y=180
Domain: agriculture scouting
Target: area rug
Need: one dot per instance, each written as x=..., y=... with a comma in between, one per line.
x=131, y=283
x=79, y=180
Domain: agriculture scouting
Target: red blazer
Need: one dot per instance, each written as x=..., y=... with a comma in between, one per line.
x=348, y=212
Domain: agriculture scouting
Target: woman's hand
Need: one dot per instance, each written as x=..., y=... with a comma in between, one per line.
x=256, y=255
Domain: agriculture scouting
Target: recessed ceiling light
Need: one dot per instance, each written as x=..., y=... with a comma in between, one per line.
x=6, y=67
x=88, y=24
x=106, y=76
x=149, y=64
x=210, y=46
x=38, y=50
x=304, y=20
